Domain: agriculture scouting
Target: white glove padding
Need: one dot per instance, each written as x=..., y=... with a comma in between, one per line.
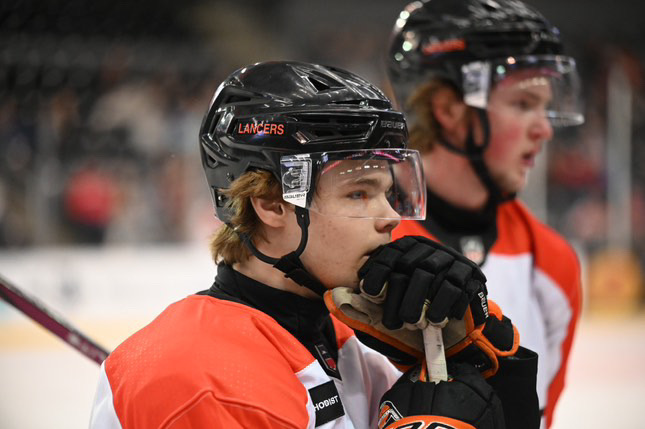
x=403, y=346
x=475, y=339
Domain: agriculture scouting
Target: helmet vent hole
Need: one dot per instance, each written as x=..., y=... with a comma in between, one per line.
x=323, y=133
x=322, y=82
x=237, y=99
x=319, y=85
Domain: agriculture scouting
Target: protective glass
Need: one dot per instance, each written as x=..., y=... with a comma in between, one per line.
x=373, y=183
x=548, y=84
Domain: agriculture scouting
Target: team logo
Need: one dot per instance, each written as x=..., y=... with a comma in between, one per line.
x=328, y=362
x=472, y=247
x=436, y=47
x=261, y=128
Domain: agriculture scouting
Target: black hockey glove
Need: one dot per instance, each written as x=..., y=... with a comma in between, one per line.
x=415, y=277
x=415, y=280
x=466, y=401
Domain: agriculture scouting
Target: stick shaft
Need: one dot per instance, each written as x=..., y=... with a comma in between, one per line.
x=435, y=354
x=39, y=313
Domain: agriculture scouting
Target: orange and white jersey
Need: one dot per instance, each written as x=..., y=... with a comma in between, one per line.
x=209, y=362
x=534, y=275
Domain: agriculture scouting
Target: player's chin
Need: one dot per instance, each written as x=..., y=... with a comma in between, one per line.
x=514, y=183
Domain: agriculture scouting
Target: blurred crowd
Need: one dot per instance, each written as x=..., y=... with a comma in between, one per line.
x=100, y=109
x=97, y=153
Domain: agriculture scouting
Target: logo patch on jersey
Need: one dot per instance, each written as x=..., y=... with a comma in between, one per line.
x=326, y=360
x=472, y=247
x=326, y=403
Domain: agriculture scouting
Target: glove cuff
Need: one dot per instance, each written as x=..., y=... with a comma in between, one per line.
x=496, y=338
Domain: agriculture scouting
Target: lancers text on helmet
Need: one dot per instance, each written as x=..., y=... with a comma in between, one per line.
x=261, y=128
x=436, y=47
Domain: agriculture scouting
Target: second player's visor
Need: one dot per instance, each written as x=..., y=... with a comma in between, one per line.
x=548, y=83
x=373, y=183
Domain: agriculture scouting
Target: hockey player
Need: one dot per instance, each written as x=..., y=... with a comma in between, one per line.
x=482, y=84
x=309, y=170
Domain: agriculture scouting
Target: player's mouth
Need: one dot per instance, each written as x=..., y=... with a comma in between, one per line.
x=373, y=251
x=528, y=159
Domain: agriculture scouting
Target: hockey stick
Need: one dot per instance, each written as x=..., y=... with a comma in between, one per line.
x=366, y=316
x=435, y=359
x=53, y=323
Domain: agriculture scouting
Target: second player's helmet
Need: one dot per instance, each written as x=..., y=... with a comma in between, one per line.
x=473, y=44
x=300, y=121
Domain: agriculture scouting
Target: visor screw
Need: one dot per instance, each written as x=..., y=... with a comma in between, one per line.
x=229, y=176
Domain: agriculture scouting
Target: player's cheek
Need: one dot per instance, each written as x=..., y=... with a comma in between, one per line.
x=506, y=139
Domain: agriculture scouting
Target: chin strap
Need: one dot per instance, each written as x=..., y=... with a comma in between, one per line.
x=290, y=264
x=475, y=154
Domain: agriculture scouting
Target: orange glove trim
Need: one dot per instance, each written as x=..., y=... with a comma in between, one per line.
x=424, y=422
x=368, y=329
x=476, y=337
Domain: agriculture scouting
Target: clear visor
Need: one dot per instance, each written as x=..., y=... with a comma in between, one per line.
x=546, y=85
x=374, y=183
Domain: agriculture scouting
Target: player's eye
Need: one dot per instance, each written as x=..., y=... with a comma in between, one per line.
x=357, y=195
x=524, y=104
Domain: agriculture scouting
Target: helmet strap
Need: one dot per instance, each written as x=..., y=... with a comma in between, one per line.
x=475, y=155
x=496, y=195
x=290, y=264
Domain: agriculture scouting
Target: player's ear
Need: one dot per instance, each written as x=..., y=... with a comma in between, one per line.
x=273, y=213
x=449, y=110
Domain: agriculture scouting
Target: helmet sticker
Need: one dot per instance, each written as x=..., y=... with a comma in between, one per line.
x=476, y=82
x=296, y=179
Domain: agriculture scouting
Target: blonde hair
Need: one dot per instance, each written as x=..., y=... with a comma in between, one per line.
x=423, y=128
x=226, y=244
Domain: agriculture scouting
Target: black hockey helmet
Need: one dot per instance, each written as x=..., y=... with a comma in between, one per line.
x=305, y=123
x=472, y=44
x=264, y=113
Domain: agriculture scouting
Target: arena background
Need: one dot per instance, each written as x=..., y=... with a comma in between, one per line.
x=105, y=216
